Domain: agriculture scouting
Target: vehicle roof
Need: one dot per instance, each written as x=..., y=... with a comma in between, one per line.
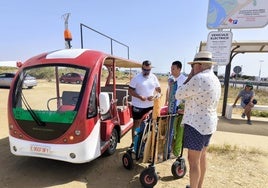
x=82, y=57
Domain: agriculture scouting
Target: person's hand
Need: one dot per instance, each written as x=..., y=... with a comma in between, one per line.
x=251, y=104
x=190, y=75
x=151, y=98
x=180, y=111
x=143, y=98
x=158, y=89
x=234, y=105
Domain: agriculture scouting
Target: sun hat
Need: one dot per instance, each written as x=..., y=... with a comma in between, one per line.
x=203, y=57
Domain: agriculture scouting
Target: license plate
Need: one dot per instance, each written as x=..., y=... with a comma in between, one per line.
x=40, y=149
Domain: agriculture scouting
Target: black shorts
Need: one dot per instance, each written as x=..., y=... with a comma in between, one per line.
x=137, y=113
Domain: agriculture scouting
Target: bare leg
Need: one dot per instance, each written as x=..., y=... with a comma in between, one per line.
x=195, y=169
x=248, y=114
x=203, y=166
x=247, y=110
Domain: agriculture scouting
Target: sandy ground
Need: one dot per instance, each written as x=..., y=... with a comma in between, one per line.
x=234, y=169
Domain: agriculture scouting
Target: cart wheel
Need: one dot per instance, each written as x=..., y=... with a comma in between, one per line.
x=178, y=168
x=148, y=177
x=127, y=160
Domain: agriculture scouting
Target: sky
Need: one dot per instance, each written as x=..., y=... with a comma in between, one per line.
x=159, y=31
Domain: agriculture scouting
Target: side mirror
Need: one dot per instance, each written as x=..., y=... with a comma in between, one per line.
x=104, y=101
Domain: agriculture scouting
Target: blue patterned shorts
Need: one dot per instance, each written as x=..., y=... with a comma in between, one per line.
x=193, y=139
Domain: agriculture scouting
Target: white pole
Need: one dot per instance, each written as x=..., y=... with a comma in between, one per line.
x=260, y=69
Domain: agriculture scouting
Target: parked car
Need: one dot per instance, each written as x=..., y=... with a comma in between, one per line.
x=6, y=79
x=72, y=77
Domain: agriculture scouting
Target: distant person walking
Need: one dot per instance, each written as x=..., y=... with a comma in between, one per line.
x=142, y=88
x=247, y=101
x=201, y=92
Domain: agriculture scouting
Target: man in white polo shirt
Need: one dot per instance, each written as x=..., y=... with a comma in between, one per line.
x=142, y=88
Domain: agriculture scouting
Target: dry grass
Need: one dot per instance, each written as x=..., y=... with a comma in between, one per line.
x=230, y=150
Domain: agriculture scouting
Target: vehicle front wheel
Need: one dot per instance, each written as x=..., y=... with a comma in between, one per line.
x=113, y=143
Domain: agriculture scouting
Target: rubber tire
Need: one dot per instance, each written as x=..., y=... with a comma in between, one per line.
x=176, y=169
x=148, y=177
x=113, y=143
x=127, y=161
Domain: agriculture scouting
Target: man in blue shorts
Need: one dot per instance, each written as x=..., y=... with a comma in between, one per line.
x=201, y=92
x=142, y=88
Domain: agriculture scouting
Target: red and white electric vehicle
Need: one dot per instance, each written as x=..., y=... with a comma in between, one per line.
x=73, y=122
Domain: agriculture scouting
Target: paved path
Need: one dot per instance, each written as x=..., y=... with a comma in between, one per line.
x=238, y=125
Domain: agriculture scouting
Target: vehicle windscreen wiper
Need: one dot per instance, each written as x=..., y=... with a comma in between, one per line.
x=32, y=113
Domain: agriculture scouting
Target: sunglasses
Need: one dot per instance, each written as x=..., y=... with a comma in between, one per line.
x=146, y=70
